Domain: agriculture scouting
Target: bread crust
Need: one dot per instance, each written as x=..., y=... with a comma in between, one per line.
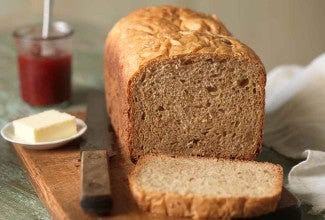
x=152, y=35
x=198, y=207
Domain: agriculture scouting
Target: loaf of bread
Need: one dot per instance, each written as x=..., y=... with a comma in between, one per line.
x=178, y=83
x=205, y=188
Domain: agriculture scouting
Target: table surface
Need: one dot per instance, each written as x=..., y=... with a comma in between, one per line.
x=18, y=199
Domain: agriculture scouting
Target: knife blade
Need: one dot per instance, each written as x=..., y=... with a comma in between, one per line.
x=95, y=149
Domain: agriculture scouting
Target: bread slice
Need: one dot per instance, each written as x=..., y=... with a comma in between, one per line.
x=177, y=83
x=205, y=188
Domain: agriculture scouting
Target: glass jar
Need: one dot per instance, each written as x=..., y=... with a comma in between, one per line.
x=44, y=64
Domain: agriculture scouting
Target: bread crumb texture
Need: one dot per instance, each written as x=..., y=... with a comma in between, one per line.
x=203, y=188
x=178, y=83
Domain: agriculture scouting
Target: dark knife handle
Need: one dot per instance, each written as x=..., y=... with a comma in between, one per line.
x=95, y=182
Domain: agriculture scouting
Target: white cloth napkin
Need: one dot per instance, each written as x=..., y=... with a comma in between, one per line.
x=295, y=126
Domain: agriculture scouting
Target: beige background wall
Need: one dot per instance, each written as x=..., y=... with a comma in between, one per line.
x=280, y=31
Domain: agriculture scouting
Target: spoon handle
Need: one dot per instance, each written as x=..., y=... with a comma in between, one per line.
x=46, y=18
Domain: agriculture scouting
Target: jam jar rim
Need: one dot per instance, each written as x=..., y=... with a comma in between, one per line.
x=59, y=30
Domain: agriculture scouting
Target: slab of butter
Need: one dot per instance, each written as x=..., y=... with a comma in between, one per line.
x=46, y=126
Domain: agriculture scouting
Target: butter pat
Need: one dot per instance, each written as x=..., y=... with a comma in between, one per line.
x=49, y=125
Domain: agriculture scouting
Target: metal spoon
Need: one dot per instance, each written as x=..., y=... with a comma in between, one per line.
x=47, y=49
x=46, y=18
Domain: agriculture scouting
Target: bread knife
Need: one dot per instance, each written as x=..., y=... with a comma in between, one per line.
x=95, y=147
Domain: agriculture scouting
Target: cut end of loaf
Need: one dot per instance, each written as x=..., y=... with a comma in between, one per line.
x=206, y=188
x=201, y=105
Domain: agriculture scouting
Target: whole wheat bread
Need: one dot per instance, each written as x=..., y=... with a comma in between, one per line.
x=205, y=188
x=177, y=83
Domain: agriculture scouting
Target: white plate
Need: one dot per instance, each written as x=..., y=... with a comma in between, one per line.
x=7, y=133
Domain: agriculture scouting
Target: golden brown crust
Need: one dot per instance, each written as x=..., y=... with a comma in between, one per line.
x=149, y=33
x=196, y=206
x=154, y=34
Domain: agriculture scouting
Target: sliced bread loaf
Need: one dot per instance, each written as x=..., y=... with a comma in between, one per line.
x=205, y=188
x=177, y=83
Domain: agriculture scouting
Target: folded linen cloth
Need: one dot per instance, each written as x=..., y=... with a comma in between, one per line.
x=295, y=126
x=307, y=180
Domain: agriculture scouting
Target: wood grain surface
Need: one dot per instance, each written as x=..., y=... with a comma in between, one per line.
x=55, y=175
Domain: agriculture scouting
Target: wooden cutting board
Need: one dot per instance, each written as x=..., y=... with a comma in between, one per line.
x=55, y=175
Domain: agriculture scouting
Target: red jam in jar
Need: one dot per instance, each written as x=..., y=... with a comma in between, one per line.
x=45, y=80
x=44, y=64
